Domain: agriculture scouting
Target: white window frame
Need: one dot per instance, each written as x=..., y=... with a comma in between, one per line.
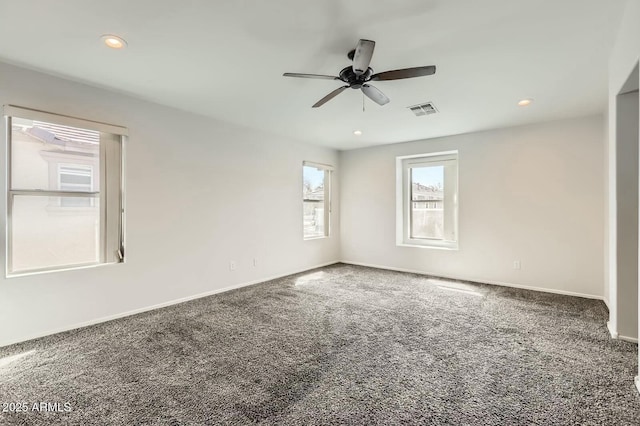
x=110, y=231
x=328, y=171
x=404, y=164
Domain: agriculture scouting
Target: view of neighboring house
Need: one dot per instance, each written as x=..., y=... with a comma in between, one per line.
x=313, y=210
x=427, y=211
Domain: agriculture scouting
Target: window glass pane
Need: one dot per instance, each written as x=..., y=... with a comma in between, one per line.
x=313, y=190
x=39, y=150
x=427, y=202
x=313, y=219
x=313, y=183
x=45, y=235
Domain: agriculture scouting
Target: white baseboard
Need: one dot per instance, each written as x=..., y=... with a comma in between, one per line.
x=478, y=280
x=628, y=339
x=158, y=306
x=616, y=335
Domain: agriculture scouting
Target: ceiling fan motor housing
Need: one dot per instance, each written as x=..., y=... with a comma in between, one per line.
x=355, y=81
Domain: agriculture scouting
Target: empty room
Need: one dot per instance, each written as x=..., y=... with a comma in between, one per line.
x=309, y=213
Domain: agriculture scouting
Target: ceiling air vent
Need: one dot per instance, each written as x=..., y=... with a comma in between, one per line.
x=423, y=109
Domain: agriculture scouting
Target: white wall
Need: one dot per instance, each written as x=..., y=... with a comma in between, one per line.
x=627, y=215
x=624, y=59
x=199, y=194
x=533, y=193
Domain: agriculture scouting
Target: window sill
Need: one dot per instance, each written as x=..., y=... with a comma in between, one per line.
x=322, y=237
x=450, y=247
x=59, y=269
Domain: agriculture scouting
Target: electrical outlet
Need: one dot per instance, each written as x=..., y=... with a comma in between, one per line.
x=232, y=265
x=516, y=264
x=255, y=262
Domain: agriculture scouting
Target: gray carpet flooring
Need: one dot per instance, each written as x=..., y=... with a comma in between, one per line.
x=337, y=345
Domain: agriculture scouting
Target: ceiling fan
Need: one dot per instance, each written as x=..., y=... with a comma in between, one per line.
x=359, y=74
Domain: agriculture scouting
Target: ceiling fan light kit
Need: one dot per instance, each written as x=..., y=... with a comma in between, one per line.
x=360, y=73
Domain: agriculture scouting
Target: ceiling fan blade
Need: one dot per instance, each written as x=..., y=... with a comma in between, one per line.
x=324, y=77
x=404, y=73
x=375, y=95
x=362, y=56
x=329, y=96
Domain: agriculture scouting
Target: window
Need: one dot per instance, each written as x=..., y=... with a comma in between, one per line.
x=65, y=200
x=316, y=199
x=427, y=196
x=74, y=177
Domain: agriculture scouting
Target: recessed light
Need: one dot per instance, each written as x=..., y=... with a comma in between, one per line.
x=525, y=102
x=357, y=132
x=113, y=41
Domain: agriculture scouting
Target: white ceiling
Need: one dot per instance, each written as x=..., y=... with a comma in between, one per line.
x=225, y=59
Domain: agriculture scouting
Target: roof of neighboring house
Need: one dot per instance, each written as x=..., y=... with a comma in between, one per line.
x=427, y=192
x=65, y=138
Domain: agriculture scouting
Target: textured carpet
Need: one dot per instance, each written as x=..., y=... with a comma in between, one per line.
x=338, y=345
